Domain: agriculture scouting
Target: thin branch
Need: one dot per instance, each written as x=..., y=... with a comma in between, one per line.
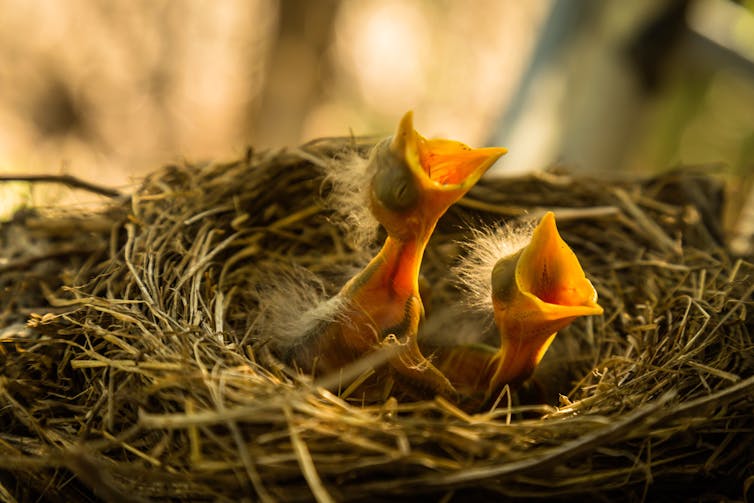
x=68, y=180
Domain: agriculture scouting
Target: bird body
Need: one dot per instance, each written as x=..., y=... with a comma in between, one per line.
x=379, y=302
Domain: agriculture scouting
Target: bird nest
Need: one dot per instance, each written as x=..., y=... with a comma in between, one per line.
x=131, y=367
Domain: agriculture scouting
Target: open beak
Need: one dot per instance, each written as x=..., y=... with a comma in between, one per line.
x=550, y=274
x=443, y=169
x=545, y=293
x=536, y=291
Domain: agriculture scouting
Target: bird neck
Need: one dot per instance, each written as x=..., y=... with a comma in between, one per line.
x=398, y=264
x=517, y=358
x=393, y=272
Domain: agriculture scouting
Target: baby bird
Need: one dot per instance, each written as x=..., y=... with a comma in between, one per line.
x=413, y=181
x=535, y=291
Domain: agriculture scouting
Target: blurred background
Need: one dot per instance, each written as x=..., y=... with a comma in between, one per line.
x=109, y=90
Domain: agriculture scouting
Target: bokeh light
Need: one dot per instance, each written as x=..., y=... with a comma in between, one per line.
x=110, y=91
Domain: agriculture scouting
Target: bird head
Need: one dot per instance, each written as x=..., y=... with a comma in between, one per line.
x=416, y=180
x=540, y=290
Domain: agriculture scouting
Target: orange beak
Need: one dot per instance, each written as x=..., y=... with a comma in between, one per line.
x=417, y=179
x=444, y=169
x=539, y=291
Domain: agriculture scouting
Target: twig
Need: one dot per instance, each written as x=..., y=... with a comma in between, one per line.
x=94, y=476
x=69, y=180
x=649, y=226
x=565, y=451
x=305, y=461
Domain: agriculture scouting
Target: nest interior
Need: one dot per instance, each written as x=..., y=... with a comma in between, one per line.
x=131, y=368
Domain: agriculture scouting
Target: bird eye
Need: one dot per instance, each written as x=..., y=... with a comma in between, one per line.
x=393, y=183
x=504, y=277
x=401, y=192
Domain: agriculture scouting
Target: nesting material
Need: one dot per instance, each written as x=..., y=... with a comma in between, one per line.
x=134, y=364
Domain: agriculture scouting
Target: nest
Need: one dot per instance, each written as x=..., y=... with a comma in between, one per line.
x=131, y=370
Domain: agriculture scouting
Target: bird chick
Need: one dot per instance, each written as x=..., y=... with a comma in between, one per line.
x=413, y=181
x=534, y=292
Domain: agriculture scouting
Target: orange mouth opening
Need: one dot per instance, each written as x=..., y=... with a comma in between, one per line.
x=549, y=271
x=452, y=163
x=442, y=164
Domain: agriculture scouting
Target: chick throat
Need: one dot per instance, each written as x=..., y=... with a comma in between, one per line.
x=515, y=362
x=395, y=270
